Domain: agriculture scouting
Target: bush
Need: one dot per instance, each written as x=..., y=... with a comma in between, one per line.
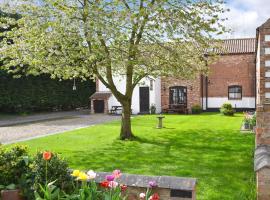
x=253, y=120
x=227, y=109
x=153, y=109
x=196, y=109
x=13, y=164
x=57, y=169
x=40, y=93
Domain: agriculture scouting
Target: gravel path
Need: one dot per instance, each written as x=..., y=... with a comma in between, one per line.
x=28, y=130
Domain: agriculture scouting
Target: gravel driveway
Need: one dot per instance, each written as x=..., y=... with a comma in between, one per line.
x=20, y=130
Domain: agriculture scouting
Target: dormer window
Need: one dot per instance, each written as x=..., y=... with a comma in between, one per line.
x=234, y=92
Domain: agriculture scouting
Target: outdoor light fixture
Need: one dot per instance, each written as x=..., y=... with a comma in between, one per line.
x=74, y=85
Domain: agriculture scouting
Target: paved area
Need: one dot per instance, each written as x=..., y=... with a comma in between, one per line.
x=28, y=127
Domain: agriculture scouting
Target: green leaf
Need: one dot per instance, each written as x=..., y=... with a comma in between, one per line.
x=11, y=187
x=2, y=187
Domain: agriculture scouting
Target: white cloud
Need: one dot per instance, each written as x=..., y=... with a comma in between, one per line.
x=245, y=16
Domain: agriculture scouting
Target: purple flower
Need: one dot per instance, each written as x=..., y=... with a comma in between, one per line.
x=110, y=178
x=152, y=184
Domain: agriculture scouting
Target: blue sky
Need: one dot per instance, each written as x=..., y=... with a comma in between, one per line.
x=244, y=16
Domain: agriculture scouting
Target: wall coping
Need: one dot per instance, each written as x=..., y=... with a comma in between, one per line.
x=168, y=182
x=262, y=157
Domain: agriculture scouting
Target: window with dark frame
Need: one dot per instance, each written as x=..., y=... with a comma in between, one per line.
x=235, y=92
x=178, y=95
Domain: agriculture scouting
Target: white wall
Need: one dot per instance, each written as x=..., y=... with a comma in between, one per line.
x=245, y=102
x=154, y=95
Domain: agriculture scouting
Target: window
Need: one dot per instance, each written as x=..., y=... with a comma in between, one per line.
x=178, y=95
x=235, y=92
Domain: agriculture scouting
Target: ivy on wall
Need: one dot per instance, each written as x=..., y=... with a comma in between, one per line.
x=31, y=93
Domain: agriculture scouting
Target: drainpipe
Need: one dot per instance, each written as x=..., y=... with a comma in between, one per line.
x=202, y=90
x=206, y=92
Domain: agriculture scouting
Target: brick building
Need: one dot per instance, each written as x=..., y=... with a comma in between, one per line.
x=231, y=79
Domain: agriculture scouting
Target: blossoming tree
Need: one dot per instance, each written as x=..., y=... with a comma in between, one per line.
x=106, y=38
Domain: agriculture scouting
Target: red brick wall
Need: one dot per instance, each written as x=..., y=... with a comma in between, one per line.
x=263, y=108
x=193, y=91
x=232, y=70
x=263, y=116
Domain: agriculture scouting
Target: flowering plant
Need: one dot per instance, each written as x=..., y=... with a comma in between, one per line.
x=86, y=187
x=247, y=118
x=112, y=190
x=149, y=195
x=49, y=191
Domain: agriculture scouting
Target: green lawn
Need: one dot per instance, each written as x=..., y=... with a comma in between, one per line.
x=208, y=147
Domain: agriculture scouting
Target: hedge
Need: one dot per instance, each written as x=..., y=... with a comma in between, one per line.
x=40, y=93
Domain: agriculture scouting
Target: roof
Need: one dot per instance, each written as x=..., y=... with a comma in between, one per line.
x=262, y=157
x=265, y=24
x=101, y=95
x=237, y=46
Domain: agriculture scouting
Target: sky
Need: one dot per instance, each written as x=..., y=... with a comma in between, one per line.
x=243, y=18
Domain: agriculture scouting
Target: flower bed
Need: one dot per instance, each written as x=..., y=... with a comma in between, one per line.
x=47, y=177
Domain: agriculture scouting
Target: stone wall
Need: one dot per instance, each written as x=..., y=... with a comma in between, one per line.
x=168, y=187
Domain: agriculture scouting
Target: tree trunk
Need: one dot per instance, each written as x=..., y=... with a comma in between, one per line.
x=126, y=132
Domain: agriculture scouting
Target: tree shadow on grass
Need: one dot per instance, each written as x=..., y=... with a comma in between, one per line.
x=222, y=164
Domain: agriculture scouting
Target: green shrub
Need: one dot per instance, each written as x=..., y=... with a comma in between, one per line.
x=13, y=164
x=57, y=169
x=15, y=170
x=253, y=120
x=196, y=109
x=227, y=109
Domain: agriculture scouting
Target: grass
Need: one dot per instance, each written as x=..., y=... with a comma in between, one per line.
x=208, y=147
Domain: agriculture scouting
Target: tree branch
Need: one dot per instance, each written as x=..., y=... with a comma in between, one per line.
x=126, y=4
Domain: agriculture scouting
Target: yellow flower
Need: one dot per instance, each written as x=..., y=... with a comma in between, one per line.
x=82, y=176
x=75, y=173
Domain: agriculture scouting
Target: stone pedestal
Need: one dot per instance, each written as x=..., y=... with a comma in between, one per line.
x=160, y=123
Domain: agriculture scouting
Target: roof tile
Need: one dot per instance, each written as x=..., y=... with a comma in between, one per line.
x=235, y=46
